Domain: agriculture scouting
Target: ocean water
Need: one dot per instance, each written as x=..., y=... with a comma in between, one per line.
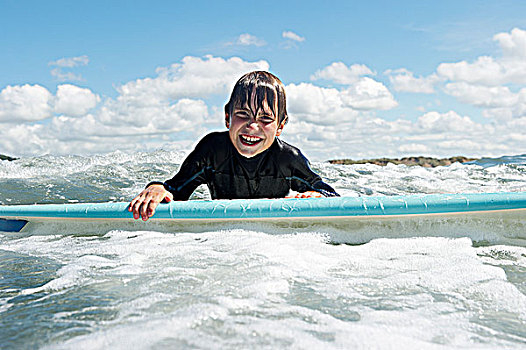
x=251, y=287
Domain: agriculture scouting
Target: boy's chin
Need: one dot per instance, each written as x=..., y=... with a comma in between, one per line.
x=249, y=151
x=249, y=154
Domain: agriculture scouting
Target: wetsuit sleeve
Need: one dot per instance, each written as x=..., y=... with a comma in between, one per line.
x=191, y=174
x=304, y=179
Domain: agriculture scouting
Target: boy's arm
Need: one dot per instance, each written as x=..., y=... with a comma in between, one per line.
x=190, y=175
x=305, y=180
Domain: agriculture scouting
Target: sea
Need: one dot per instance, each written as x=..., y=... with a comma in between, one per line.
x=252, y=287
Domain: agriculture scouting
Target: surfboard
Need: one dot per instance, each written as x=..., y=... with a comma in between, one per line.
x=490, y=217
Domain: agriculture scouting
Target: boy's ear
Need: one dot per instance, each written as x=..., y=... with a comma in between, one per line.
x=227, y=120
x=280, y=127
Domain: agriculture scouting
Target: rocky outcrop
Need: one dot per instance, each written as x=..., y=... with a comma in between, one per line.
x=427, y=162
x=2, y=157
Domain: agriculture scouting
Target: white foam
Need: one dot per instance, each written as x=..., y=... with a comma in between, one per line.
x=370, y=179
x=242, y=288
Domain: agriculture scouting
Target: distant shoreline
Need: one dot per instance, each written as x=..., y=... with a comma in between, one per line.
x=426, y=162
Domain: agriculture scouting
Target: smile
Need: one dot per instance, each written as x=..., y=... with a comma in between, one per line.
x=250, y=140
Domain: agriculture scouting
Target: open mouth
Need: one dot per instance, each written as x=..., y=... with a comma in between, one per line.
x=250, y=140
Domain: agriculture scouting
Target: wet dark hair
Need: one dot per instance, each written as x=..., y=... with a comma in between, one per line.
x=268, y=87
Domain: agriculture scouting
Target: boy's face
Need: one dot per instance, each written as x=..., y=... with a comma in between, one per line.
x=252, y=129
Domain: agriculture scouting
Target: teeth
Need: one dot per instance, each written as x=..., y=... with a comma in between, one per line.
x=250, y=139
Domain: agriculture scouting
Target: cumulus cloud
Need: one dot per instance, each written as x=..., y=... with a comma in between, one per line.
x=194, y=77
x=24, y=103
x=31, y=103
x=292, y=36
x=433, y=133
x=495, y=84
x=180, y=103
x=74, y=101
x=339, y=73
x=441, y=122
x=489, y=71
x=368, y=94
x=318, y=105
x=513, y=44
x=329, y=106
x=484, y=96
x=149, y=111
x=405, y=81
x=361, y=93
x=249, y=39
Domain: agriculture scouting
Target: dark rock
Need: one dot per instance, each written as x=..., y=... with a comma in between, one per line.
x=2, y=157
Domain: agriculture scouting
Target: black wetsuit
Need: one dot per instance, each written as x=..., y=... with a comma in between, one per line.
x=270, y=174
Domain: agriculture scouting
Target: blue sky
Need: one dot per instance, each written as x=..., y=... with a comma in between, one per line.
x=122, y=42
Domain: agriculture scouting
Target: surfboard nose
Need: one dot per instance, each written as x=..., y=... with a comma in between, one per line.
x=12, y=225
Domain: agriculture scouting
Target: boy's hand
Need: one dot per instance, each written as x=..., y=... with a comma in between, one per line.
x=145, y=203
x=308, y=194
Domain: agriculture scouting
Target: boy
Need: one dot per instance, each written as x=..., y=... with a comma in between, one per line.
x=248, y=161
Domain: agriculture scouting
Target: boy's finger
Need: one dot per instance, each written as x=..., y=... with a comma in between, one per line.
x=151, y=210
x=132, y=204
x=142, y=210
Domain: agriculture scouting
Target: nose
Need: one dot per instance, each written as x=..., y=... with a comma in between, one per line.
x=252, y=123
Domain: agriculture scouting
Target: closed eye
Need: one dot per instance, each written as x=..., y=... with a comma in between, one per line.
x=266, y=119
x=242, y=115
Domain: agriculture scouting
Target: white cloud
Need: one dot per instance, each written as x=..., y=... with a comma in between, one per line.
x=342, y=74
x=485, y=70
x=248, y=39
x=368, y=94
x=24, y=103
x=433, y=134
x=292, y=36
x=70, y=62
x=484, y=96
x=65, y=76
x=74, y=101
x=495, y=84
x=180, y=103
x=148, y=112
x=195, y=77
x=30, y=103
x=405, y=81
x=362, y=93
x=307, y=102
x=413, y=148
x=329, y=106
x=22, y=139
x=512, y=44
x=440, y=122
x=508, y=69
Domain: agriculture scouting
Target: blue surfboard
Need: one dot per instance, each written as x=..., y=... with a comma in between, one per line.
x=483, y=211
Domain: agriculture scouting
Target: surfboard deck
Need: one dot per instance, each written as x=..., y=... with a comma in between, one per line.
x=491, y=217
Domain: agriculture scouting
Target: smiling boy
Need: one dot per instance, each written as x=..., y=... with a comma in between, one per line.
x=248, y=160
